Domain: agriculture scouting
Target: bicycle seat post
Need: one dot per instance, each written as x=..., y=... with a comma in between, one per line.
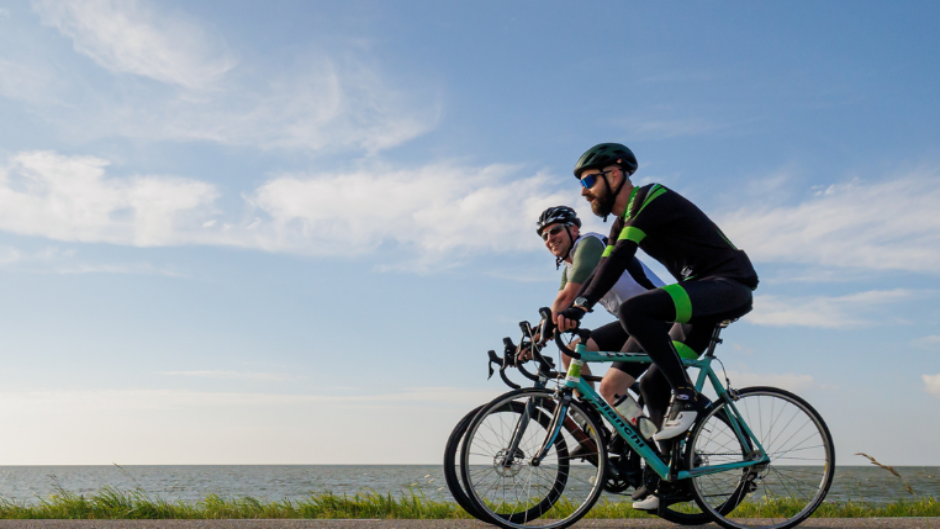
x=715, y=338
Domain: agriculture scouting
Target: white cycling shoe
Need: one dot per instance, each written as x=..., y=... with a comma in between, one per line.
x=682, y=414
x=675, y=427
x=649, y=503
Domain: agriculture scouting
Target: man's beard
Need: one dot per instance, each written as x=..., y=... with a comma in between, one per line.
x=600, y=206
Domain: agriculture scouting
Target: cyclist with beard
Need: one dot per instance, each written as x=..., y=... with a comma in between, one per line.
x=560, y=228
x=716, y=279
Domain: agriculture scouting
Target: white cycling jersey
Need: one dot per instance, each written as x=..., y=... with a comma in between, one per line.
x=625, y=288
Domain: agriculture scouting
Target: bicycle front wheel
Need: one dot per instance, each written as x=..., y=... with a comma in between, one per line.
x=779, y=494
x=452, y=465
x=504, y=481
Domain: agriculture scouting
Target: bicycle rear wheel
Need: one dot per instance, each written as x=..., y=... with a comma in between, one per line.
x=504, y=482
x=452, y=465
x=780, y=494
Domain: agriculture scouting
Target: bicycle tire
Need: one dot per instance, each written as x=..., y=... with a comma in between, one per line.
x=521, y=494
x=789, y=488
x=680, y=517
x=452, y=465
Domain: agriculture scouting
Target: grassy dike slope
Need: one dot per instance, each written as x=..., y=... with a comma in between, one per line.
x=112, y=504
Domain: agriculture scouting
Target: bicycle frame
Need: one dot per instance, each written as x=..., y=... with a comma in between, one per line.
x=574, y=382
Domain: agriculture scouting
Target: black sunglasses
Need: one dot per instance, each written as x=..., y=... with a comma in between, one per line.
x=589, y=180
x=554, y=231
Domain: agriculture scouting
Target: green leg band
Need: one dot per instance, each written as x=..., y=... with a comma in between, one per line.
x=681, y=299
x=685, y=352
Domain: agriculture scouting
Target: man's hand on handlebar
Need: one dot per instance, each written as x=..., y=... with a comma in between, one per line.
x=524, y=353
x=569, y=318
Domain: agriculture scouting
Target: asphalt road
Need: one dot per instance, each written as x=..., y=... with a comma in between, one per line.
x=820, y=523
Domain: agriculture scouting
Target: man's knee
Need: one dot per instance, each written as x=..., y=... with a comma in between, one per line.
x=631, y=314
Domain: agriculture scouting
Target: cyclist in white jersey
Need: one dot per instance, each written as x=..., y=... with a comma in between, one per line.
x=560, y=228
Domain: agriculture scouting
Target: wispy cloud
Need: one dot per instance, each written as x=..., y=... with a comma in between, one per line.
x=672, y=128
x=55, y=260
x=230, y=375
x=127, y=36
x=930, y=343
x=174, y=78
x=822, y=311
x=886, y=225
x=932, y=384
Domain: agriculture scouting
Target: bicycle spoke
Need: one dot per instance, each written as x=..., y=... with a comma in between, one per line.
x=784, y=491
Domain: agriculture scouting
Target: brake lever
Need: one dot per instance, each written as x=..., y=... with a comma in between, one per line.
x=509, y=352
x=493, y=360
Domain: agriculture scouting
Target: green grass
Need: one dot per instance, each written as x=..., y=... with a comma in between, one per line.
x=110, y=503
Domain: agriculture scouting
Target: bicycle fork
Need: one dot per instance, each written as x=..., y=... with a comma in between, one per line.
x=517, y=433
x=554, y=428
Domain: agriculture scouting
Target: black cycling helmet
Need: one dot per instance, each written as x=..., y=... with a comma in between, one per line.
x=553, y=215
x=604, y=154
x=559, y=214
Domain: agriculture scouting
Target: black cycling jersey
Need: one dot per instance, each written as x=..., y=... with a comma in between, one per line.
x=676, y=233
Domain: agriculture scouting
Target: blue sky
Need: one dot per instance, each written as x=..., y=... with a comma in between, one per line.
x=238, y=232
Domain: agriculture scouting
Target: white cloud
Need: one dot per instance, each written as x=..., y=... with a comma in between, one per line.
x=161, y=426
x=4, y=13
x=229, y=375
x=9, y=255
x=792, y=382
x=441, y=210
x=891, y=224
x=931, y=343
x=823, y=312
x=437, y=213
x=932, y=384
x=170, y=399
x=127, y=36
x=69, y=198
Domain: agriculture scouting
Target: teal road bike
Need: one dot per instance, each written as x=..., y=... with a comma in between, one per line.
x=625, y=471
x=758, y=457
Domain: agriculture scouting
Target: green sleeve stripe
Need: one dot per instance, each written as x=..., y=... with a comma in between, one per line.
x=681, y=299
x=655, y=192
x=685, y=352
x=626, y=212
x=608, y=250
x=632, y=234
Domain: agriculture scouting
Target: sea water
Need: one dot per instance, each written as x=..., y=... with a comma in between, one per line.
x=28, y=484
